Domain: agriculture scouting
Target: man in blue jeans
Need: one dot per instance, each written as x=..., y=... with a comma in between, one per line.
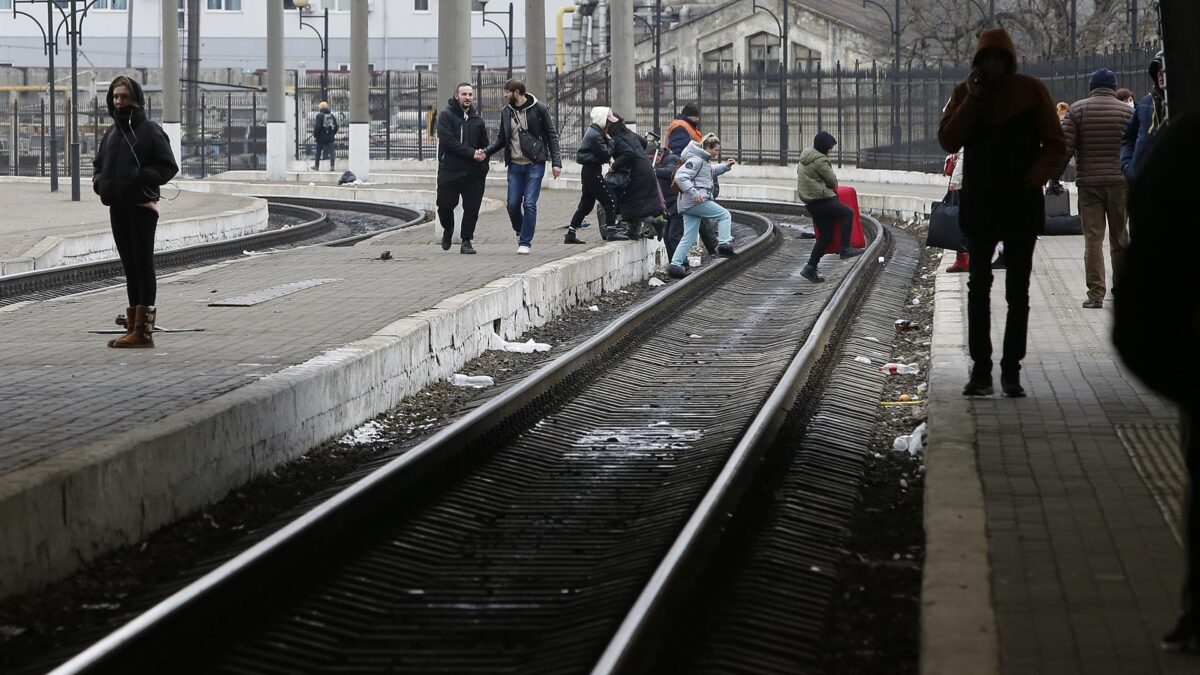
x=528, y=138
x=695, y=179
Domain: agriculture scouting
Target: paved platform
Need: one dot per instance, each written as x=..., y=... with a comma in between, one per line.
x=102, y=446
x=44, y=229
x=1052, y=522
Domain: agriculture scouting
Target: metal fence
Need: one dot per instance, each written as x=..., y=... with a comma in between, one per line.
x=881, y=120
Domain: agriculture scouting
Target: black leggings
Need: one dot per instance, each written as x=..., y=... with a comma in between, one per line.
x=825, y=214
x=595, y=190
x=133, y=231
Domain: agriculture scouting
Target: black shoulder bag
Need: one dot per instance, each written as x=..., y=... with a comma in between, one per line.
x=531, y=146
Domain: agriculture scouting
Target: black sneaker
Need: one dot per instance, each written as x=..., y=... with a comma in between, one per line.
x=726, y=251
x=447, y=239
x=809, y=272
x=570, y=238
x=850, y=252
x=616, y=235
x=980, y=384
x=1010, y=385
x=676, y=272
x=466, y=247
x=1184, y=637
x=1093, y=304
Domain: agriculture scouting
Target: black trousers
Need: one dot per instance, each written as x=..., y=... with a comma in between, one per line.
x=826, y=214
x=326, y=150
x=133, y=231
x=595, y=190
x=1018, y=257
x=1190, y=440
x=470, y=189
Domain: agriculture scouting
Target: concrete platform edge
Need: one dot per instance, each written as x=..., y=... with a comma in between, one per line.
x=958, y=622
x=57, y=515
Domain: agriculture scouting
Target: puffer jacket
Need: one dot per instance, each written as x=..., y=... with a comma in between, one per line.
x=134, y=158
x=594, y=148
x=460, y=134
x=1093, y=127
x=815, y=179
x=696, y=176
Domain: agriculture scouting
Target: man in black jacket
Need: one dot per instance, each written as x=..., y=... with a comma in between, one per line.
x=528, y=138
x=132, y=160
x=325, y=129
x=462, y=165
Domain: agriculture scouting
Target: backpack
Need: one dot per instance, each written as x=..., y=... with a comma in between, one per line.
x=674, y=183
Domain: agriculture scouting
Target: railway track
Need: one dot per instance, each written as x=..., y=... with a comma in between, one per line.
x=562, y=525
x=315, y=222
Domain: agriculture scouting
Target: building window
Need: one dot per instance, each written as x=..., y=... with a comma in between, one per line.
x=721, y=57
x=115, y=5
x=420, y=5
x=763, y=50
x=339, y=5
x=804, y=59
x=5, y=4
x=225, y=5
x=423, y=66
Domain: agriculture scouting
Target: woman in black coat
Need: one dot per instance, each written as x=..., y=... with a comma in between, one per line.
x=639, y=197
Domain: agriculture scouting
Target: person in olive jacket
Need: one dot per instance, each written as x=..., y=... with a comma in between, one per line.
x=595, y=150
x=815, y=186
x=1093, y=128
x=1014, y=144
x=462, y=165
x=133, y=160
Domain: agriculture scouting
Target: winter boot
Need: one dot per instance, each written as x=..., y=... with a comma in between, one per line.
x=726, y=251
x=850, y=252
x=447, y=239
x=1010, y=384
x=570, y=238
x=979, y=384
x=130, y=317
x=810, y=272
x=962, y=263
x=466, y=247
x=676, y=272
x=143, y=330
x=633, y=229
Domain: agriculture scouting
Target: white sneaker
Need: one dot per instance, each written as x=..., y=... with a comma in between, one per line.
x=522, y=250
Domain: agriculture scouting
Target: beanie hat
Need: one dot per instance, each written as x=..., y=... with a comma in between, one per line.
x=1102, y=78
x=690, y=110
x=824, y=142
x=324, y=105
x=599, y=116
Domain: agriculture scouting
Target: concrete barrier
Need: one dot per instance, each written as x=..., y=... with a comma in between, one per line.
x=57, y=515
x=418, y=199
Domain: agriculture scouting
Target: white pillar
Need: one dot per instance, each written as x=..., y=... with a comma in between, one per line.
x=276, y=120
x=535, y=47
x=623, y=101
x=360, y=114
x=170, y=65
x=454, y=47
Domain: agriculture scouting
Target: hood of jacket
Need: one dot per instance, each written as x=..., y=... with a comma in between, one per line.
x=811, y=155
x=824, y=142
x=138, y=95
x=997, y=38
x=455, y=108
x=599, y=116
x=694, y=149
x=1156, y=66
x=530, y=101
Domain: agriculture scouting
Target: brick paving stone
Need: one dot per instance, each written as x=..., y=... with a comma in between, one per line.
x=63, y=389
x=1085, y=570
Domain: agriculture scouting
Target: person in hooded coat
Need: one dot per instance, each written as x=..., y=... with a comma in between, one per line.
x=133, y=159
x=1149, y=117
x=595, y=150
x=1014, y=144
x=638, y=197
x=816, y=186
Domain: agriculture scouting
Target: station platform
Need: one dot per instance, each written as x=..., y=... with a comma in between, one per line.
x=43, y=229
x=102, y=446
x=1053, y=522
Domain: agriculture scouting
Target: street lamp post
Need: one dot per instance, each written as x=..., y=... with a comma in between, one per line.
x=783, y=73
x=894, y=21
x=508, y=37
x=301, y=5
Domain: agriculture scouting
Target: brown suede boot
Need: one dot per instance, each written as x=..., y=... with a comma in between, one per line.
x=143, y=329
x=130, y=317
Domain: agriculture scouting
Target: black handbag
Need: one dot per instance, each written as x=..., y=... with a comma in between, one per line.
x=1058, y=201
x=531, y=146
x=617, y=180
x=944, y=230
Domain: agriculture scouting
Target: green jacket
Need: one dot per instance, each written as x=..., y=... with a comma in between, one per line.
x=815, y=178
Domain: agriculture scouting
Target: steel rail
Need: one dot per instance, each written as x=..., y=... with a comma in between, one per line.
x=684, y=562
x=138, y=645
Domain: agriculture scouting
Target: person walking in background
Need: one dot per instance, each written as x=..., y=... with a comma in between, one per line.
x=325, y=130
x=816, y=185
x=595, y=150
x=694, y=181
x=1013, y=144
x=529, y=139
x=1093, y=129
x=132, y=161
x=637, y=196
x=462, y=165
x=1148, y=316
x=1149, y=117
x=684, y=129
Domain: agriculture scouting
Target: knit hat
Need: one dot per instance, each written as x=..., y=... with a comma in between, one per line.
x=690, y=110
x=1103, y=78
x=324, y=105
x=824, y=142
x=599, y=116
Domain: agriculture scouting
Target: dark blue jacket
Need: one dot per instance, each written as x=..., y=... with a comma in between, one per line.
x=679, y=137
x=1137, y=139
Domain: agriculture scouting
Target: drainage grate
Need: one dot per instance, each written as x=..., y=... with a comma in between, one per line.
x=1154, y=449
x=259, y=297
